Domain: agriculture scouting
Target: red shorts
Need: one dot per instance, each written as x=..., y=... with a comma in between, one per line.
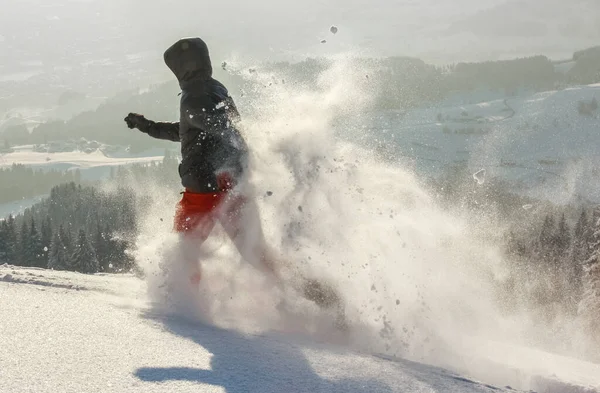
x=194, y=208
x=198, y=212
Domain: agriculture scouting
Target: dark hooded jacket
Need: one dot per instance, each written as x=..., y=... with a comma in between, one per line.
x=210, y=141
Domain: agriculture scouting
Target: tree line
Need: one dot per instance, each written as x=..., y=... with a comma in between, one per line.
x=21, y=182
x=406, y=82
x=82, y=228
x=556, y=266
x=76, y=228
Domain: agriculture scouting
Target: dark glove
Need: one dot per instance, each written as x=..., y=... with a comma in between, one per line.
x=138, y=121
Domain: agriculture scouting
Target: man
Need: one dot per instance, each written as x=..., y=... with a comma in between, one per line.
x=214, y=156
x=214, y=165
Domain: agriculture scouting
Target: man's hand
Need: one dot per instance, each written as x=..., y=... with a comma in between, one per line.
x=135, y=120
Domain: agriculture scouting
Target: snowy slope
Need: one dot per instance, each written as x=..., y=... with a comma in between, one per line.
x=539, y=142
x=69, y=332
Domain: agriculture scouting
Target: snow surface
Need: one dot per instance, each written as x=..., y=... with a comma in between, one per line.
x=69, y=332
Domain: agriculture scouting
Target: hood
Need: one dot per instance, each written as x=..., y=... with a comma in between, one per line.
x=189, y=60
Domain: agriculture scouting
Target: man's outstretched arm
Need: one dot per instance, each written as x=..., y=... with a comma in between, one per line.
x=158, y=130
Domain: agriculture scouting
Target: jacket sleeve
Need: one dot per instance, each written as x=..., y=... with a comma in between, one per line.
x=162, y=130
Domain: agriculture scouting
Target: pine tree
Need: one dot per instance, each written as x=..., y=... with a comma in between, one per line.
x=3, y=243
x=581, y=227
x=579, y=251
x=84, y=258
x=58, y=257
x=589, y=307
x=546, y=237
x=563, y=236
x=101, y=247
x=66, y=238
x=11, y=239
x=35, y=252
x=546, y=241
x=46, y=239
x=22, y=247
x=121, y=260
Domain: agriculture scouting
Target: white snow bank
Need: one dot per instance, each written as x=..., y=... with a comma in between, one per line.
x=94, y=333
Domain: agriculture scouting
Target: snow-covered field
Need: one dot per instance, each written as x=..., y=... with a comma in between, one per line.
x=93, y=165
x=68, y=332
x=539, y=142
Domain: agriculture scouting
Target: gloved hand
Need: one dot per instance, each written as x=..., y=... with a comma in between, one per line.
x=135, y=120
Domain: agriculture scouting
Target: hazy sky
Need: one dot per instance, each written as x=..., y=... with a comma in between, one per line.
x=131, y=35
x=438, y=30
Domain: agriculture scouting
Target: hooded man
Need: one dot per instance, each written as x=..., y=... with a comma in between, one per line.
x=214, y=165
x=214, y=156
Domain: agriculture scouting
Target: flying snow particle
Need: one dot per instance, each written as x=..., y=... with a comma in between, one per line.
x=46, y=249
x=220, y=105
x=479, y=176
x=333, y=29
x=110, y=265
x=527, y=207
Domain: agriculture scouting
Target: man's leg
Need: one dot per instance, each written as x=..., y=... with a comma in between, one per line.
x=241, y=221
x=194, y=220
x=240, y=218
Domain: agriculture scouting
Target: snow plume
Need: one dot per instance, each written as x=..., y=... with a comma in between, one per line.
x=417, y=281
x=415, y=277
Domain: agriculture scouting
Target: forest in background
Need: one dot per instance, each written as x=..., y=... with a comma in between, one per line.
x=84, y=228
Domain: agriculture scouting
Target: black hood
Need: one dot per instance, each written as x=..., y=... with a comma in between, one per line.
x=189, y=60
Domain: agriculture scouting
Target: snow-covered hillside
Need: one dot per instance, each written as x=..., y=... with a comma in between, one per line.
x=93, y=164
x=540, y=142
x=67, y=332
